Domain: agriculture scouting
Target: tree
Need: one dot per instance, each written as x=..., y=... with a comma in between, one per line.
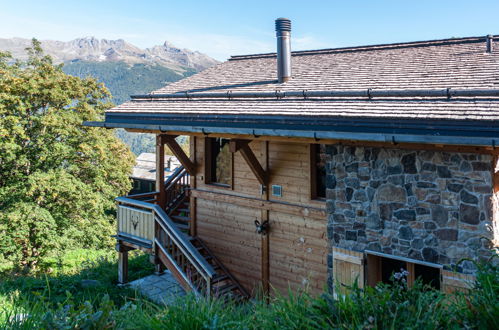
x=58, y=179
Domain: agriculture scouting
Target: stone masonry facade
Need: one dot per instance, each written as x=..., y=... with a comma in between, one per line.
x=424, y=205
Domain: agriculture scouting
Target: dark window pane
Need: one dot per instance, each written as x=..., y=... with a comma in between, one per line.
x=389, y=267
x=320, y=170
x=221, y=158
x=428, y=275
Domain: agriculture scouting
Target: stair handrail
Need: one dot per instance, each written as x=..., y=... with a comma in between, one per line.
x=179, y=171
x=204, y=268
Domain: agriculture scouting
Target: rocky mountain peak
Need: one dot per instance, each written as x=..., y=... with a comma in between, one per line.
x=93, y=49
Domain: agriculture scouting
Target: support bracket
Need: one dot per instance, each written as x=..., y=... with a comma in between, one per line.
x=170, y=141
x=250, y=158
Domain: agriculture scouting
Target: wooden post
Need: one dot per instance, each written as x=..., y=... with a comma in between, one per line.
x=265, y=267
x=495, y=201
x=122, y=264
x=192, y=203
x=160, y=170
x=159, y=268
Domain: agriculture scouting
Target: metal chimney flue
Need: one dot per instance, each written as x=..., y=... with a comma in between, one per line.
x=283, y=33
x=489, y=40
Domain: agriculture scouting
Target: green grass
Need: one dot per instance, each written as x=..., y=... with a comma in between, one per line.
x=61, y=276
x=55, y=299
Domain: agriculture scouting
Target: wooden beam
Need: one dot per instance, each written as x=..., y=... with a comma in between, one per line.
x=193, y=184
x=250, y=158
x=404, y=146
x=258, y=203
x=160, y=170
x=495, y=202
x=189, y=166
x=265, y=216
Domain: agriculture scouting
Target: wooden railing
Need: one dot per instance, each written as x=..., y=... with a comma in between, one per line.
x=176, y=187
x=175, y=249
x=136, y=224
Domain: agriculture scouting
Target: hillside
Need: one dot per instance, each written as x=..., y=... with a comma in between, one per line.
x=124, y=79
x=124, y=68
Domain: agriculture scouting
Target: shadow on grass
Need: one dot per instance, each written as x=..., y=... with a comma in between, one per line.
x=86, y=275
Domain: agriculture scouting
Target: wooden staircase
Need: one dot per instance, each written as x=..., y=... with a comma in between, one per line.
x=188, y=258
x=181, y=215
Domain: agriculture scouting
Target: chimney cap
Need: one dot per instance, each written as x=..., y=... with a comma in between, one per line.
x=282, y=24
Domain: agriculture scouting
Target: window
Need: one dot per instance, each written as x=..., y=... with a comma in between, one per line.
x=381, y=268
x=318, y=171
x=136, y=184
x=218, y=162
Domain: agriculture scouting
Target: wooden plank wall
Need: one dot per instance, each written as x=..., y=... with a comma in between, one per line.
x=298, y=245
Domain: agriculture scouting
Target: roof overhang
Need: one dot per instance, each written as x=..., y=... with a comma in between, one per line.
x=445, y=132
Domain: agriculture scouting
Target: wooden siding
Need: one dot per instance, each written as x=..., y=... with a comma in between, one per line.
x=229, y=232
x=136, y=223
x=452, y=281
x=298, y=253
x=297, y=239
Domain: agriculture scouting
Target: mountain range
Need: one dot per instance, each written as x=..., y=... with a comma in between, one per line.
x=123, y=68
x=103, y=50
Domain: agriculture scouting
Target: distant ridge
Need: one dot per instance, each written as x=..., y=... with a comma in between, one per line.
x=104, y=50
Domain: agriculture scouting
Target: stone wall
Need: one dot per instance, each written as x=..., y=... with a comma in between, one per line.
x=424, y=205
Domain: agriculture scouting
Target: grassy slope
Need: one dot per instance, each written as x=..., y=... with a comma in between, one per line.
x=59, y=301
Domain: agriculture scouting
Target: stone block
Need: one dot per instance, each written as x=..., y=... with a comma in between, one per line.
x=466, y=197
x=409, y=215
x=409, y=163
x=430, y=254
x=481, y=166
x=405, y=233
x=360, y=195
x=391, y=193
x=351, y=235
x=469, y=214
x=397, y=169
x=446, y=234
x=440, y=215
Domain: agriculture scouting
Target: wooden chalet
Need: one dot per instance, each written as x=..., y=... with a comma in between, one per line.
x=311, y=167
x=144, y=172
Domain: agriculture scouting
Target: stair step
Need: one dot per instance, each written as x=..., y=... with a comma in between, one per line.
x=180, y=218
x=220, y=278
x=186, y=210
x=182, y=226
x=225, y=289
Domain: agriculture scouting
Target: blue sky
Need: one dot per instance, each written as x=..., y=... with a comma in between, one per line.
x=223, y=28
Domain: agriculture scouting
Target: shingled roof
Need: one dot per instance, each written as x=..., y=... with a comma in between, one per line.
x=450, y=64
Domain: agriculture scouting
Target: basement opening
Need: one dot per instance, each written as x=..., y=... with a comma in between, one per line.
x=388, y=268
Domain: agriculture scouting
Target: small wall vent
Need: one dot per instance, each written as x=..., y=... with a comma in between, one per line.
x=276, y=190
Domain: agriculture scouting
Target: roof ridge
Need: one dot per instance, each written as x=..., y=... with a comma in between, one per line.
x=398, y=45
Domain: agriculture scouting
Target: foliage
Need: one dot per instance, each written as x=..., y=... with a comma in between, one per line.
x=58, y=178
x=124, y=80
x=480, y=307
x=59, y=302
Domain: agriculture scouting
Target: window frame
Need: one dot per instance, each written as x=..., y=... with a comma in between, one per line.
x=373, y=268
x=208, y=163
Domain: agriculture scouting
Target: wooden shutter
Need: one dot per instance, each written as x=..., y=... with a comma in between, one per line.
x=348, y=266
x=452, y=281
